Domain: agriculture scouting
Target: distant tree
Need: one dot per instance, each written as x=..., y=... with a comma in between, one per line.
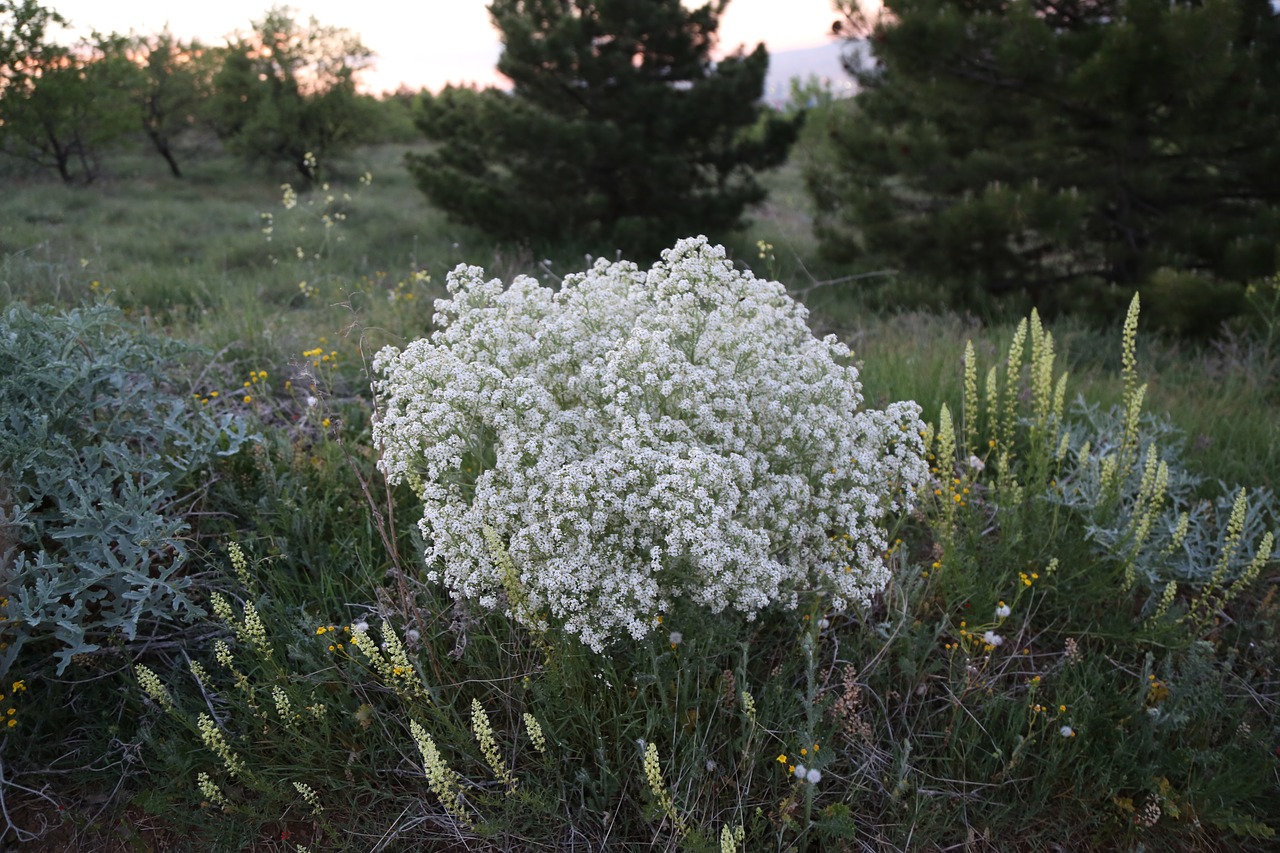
x=289, y=90
x=59, y=106
x=23, y=36
x=1067, y=150
x=172, y=91
x=619, y=129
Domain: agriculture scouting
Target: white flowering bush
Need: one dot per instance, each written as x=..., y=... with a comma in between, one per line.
x=638, y=437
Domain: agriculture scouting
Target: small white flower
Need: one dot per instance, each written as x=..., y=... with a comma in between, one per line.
x=360, y=627
x=311, y=402
x=976, y=465
x=1067, y=731
x=801, y=772
x=991, y=638
x=824, y=623
x=711, y=765
x=1003, y=610
x=676, y=638
x=814, y=776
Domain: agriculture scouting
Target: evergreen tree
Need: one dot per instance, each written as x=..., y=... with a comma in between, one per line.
x=1071, y=150
x=619, y=132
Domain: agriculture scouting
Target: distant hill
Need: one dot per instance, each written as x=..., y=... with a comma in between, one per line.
x=822, y=61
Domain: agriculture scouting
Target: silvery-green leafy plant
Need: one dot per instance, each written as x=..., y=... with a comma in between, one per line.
x=97, y=444
x=642, y=437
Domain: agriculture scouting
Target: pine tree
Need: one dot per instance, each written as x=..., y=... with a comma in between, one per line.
x=619, y=132
x=1069, y=150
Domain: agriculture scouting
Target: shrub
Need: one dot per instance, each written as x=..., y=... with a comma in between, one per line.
x=96, y=443
x=640, y=438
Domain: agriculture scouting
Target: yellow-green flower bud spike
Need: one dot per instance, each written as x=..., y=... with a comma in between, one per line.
x=1166, y=600
x=483, y=731
x=442, y=780
x=536, y=737
x=217, y=744
x=653, y=774
x=1179, y=533
x=239, y=564
x=255, y=632
x=310, y=796
x=749, y=707
x=154, y=687
x=211, y=792
x=946, y=444
x=1060, y=398
x=1013, y=369
x=970, y=398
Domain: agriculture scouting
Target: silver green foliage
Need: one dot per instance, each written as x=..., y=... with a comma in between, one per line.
x=98, y=446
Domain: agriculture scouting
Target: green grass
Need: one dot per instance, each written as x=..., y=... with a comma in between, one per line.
x=926, y=738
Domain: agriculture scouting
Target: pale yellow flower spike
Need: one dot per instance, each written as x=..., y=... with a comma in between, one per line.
x=217, y=744
x=154, y=687
x=483, y=732
x=653, y=774
x=444, y=783
x=210, y=791
x=534, y=728
x=1013, y=369
x=309, y=794
x=970, y=398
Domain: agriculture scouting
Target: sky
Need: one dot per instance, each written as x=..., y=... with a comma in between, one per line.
x=427, y=43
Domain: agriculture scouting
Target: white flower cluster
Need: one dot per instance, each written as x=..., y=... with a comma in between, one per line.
x=638, y=437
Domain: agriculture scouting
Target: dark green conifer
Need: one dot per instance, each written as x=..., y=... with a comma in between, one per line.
x=619, y=131
x=1069, y=150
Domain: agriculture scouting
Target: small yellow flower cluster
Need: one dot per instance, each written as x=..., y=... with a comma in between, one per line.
x=336, y=643
x=318, y=356
x=11, y=713
x=1028, y=579
x=959, y=493
x=403, y=289
x=205, y=398
x=255, y=376
x=1157, y=691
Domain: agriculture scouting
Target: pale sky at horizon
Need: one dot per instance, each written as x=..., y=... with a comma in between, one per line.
x=427, y=43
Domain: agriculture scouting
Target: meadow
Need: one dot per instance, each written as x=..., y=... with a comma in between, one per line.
x=1076, y=648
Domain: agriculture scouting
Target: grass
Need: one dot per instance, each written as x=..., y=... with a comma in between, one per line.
x=1106, y=714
